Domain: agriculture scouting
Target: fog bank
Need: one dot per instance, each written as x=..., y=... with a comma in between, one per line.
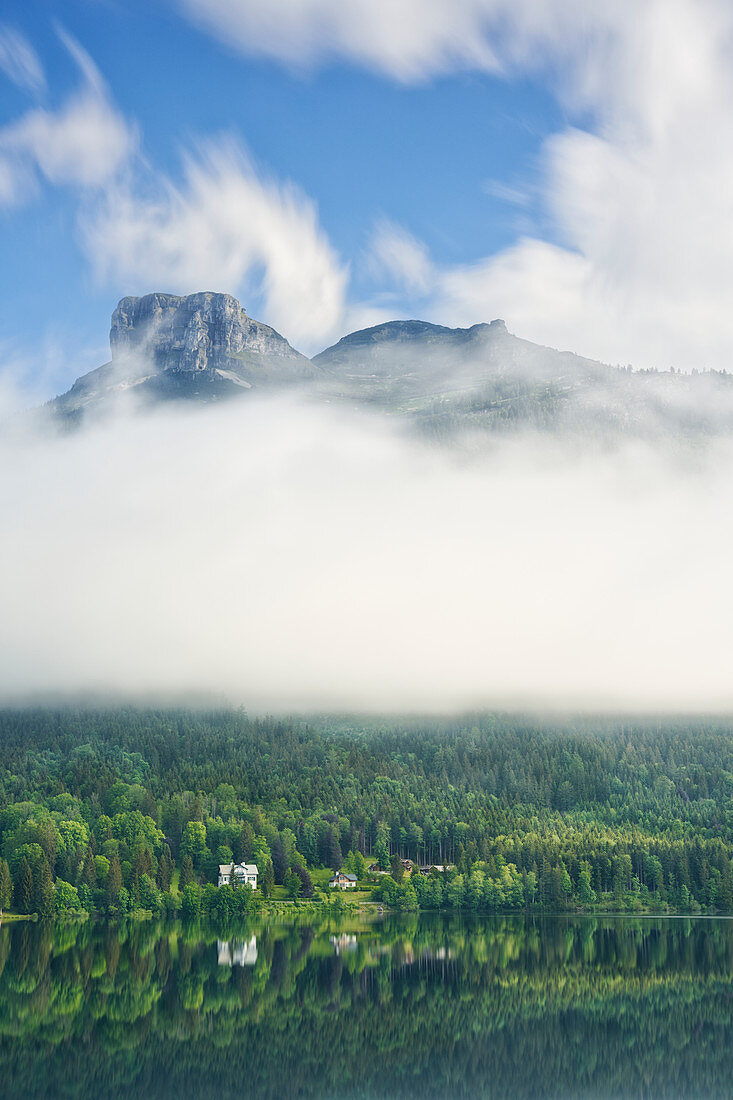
x=285, y=556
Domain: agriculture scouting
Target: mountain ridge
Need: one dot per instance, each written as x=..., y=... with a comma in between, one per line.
x=204, y=347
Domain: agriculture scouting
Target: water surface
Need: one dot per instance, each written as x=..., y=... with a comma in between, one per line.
x=410, y=1007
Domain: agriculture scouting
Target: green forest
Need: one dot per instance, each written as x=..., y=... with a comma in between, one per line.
x=121, y=810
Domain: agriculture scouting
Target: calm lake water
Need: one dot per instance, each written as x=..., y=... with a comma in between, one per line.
x=409, y=1007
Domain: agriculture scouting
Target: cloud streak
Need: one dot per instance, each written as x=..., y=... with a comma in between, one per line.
x=20, y=62
x=227, y=226
x=406, y=39
x=83, y=143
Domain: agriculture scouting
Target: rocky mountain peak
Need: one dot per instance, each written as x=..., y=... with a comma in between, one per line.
x=192, y=334
x=201, y=347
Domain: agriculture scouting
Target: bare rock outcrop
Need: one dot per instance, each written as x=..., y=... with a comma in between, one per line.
x=195, y=333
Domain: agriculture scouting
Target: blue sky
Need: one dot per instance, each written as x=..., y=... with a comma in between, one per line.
x=399, y=159
x=361, y=146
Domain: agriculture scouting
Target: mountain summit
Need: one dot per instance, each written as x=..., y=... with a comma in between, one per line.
x=202, y=346
x=199, y=333
x=415, y=362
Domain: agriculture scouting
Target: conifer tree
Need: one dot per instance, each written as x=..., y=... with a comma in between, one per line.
x=23, y=888
x=267, y=880
x=187, y=876
x=89, y=870
x=114, y=880
x=244, y=845
x=165, y=870
x=279, y=861
x=334, y=858
x=396, y=869
x=306, y=883
x=43, y=891
x=6, y=885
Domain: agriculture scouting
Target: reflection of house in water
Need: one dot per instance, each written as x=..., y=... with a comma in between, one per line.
x=342, y=943
x=403, y=954
x=238, y=952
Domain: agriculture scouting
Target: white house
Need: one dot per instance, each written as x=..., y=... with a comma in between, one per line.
x=242, y=873
x=341, y=881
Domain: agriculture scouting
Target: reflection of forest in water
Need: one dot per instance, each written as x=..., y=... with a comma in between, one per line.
x=412, y=1006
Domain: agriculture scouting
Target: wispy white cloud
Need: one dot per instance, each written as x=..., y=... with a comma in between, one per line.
x=84, y=142
x=399, y=256
x=642, y=210
x=416, y=40
x=32, y=371
x=514, y=195
x=20, y=62
x=405, y=39
x=632, y=258
x=225, y=227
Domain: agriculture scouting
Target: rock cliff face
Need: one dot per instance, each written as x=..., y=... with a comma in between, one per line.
x=202, y=347
x=197, y=333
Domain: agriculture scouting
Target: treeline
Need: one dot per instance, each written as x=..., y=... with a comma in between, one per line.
x=119, y=809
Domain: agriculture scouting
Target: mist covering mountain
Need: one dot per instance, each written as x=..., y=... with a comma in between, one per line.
x=446, y=381
x=245, y=530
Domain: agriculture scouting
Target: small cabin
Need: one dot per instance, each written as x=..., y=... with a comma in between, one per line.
x=241, y=874
x=342, y=881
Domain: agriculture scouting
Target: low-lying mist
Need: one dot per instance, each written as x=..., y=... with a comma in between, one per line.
x=287, y=556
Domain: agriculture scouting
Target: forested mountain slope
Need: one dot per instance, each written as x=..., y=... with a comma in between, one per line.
x=628, y=814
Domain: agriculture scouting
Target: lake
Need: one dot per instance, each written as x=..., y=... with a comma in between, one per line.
x=404, y=1007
